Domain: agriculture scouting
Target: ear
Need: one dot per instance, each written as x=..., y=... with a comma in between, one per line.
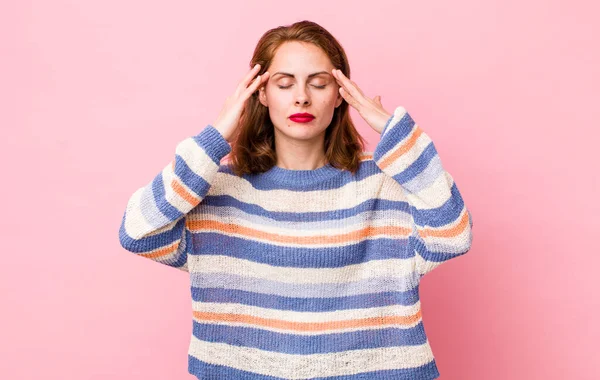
x=262, y=96
x=338, y=100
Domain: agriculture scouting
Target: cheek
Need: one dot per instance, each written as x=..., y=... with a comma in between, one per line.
x=277, y=97
x=330, y=98
x=278, y=103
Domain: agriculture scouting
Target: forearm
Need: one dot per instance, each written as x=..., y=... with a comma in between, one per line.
x=442, y=223
x=153, y=224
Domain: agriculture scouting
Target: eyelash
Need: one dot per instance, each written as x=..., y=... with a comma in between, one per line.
x=319, y=87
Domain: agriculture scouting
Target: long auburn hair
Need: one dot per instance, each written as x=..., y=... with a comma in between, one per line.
x=253, y=148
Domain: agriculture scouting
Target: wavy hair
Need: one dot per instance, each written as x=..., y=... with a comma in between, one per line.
x=253, y=148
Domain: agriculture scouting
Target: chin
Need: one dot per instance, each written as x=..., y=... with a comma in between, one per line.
x=301, y=131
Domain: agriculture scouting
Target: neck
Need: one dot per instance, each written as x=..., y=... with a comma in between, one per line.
x=300, y=155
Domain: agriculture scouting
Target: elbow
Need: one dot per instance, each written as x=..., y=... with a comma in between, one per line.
x=468, y=232
x=126, y=241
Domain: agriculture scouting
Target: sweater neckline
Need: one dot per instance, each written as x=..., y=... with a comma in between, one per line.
x=300, y=177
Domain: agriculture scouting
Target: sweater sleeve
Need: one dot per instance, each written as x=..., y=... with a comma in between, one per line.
x=154, y=222
x=441, y=223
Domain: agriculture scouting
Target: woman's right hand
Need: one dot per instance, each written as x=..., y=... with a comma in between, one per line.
x=228, y=119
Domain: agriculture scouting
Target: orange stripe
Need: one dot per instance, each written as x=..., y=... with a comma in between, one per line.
x=448, y=232
x=180, y=190
x=183, y=193
x=309, y=326
x=162, y=252
x=402, y=149
x=200, y=225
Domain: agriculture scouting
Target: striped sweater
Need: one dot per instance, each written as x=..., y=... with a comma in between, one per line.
x=304, y=274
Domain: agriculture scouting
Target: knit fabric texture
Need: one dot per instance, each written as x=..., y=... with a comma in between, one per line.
x=304, y=274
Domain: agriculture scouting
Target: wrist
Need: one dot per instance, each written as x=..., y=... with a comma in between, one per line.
x=221, y=131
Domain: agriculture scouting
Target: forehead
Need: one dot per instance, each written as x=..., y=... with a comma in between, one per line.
x=300, y=59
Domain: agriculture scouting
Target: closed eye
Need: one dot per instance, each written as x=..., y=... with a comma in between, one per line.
x=320, y=87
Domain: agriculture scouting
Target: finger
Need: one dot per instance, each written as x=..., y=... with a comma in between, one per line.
x=343, y=90
x=349, y=98
x=353, y=97
x=255, y=84
x=247, y=79
x=349, y=85
x=263, y=77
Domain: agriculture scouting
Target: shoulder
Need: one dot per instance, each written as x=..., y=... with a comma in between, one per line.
x=225, y=167
x=368, y=169
x=366, y=155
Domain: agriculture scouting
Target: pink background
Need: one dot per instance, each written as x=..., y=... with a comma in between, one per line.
x=96, y=94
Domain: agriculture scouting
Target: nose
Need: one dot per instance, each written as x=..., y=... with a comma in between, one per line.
x=302, y=97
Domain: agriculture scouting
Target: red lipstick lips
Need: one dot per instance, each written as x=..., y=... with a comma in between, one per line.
x=302, y=117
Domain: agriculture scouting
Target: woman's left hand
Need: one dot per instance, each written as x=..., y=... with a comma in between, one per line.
x=369, y=109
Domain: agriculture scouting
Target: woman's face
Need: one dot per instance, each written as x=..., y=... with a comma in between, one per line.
x=292, y=89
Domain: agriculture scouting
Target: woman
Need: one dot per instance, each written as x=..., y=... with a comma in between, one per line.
x=304, y=251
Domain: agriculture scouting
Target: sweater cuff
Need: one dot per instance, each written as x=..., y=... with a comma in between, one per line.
x=397, y=116
x=399, y=127
x=213, y=142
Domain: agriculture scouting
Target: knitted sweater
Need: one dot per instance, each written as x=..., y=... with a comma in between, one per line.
x=304, y=274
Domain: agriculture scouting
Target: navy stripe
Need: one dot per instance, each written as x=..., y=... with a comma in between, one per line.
x=437, y=257
x=361, y=301
x=367, y=168
x=207, y=371
x=370, y=205
x=399, y=132
x=335, y=256
x=213, y=143
x=167, y=209
x=445, y=214
x=418, y=166
x=192, y=180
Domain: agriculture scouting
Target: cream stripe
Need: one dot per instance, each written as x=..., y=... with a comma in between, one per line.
x=294, y=366
x=376, y=268
x=136, y=225
x=196, y=158
x=433, y=196
x=425, y=266
x=172, y=197
x=232, y=215
x=347, y=196
x=167, y=227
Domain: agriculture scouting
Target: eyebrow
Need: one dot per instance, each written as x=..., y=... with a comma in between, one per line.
x=292, y=75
